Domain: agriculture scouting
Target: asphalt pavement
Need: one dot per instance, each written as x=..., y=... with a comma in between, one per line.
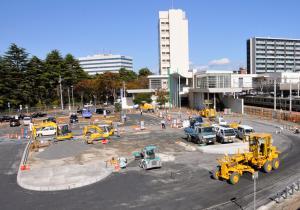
x=177, y=186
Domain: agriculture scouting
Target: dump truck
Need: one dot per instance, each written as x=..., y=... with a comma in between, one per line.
x=201, y=134
x=262, y=155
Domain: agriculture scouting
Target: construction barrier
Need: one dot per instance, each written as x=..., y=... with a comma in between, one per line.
x=272, y=114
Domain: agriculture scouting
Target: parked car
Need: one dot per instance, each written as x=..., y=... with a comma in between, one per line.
x=101, y=111
x=220, y=121
x=243, y=131
x=50, y=119
x=196, y=121
x=26, y=120
x=38, y=114
x=225, y=135
x=73, y=118
x=5, y=118
x=86, y=113
x=201, y=135
x=14, y=122
x=46, y=131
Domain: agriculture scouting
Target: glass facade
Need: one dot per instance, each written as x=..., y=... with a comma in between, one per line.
x=214, y=81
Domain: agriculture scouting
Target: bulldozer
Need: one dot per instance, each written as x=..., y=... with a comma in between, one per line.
x=93, y=133
x=262, y=155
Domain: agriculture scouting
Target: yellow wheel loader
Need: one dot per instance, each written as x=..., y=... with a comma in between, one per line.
x=262, y=155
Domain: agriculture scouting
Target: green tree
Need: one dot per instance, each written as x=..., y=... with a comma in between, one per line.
x=162, y=97
x=127, y=75
x=144, y=72
x=142, y=98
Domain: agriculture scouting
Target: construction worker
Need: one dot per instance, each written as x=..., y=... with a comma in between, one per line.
x=163, y=123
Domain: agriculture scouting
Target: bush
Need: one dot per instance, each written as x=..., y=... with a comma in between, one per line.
x=142, y=98
x=118, y=107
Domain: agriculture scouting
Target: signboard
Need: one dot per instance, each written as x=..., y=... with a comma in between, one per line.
x=255, y=175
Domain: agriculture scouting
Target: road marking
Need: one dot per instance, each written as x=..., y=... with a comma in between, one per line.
x=141, y=132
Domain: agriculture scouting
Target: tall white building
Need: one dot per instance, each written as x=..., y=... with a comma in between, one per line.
x=101, y=63
x=173, y=43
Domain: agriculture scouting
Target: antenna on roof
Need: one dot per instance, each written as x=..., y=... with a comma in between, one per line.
x=172, y=6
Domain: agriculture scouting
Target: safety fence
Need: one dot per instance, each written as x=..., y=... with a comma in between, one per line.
x=272, y=114
x=287, y=192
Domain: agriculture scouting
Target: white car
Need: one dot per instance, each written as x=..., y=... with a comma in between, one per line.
x=221, y=121
x=243, y=131
x=225, y=135
x=46, y=131
x=26, y=120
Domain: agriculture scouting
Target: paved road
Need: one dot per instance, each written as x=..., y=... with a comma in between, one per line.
x=184, y=188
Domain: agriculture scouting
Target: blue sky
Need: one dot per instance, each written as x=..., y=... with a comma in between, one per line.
x=218, y=29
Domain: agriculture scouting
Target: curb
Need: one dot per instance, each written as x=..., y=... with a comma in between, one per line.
x=65, y=187
x=57, y=188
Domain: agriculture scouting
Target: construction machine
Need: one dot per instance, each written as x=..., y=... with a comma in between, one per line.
x=147, y=107
x=208, y=113
x=49, y=128
x=262, y=155
x=94, y=133
x=148, y=158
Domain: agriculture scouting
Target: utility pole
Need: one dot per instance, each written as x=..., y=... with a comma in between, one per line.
x=290, y=96
x=69, y=99
x=73, y=98
x=61, y=96
x=275, y=95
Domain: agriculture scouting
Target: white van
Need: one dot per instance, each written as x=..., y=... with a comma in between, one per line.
x=244, y=131
x=225, y=135
x=26, y=120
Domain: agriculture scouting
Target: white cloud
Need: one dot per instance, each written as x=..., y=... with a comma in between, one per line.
x=217, y=62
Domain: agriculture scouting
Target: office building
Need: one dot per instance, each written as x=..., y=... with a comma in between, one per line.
x=266, y=55
x=173, y=43
x=100, y=63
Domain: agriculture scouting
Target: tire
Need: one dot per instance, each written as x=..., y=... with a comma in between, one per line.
x=215, y=173
x=189, y=138
x=144, y=166
x=267, y=166
x=275, y=163
x=234, y=178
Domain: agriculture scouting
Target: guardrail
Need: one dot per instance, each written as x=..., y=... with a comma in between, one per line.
x=287, y=192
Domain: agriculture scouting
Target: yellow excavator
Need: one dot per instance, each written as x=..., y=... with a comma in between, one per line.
x=60, y=131
x=93, y=133
x=262, y=155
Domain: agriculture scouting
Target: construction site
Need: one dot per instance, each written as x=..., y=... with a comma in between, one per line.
x=182, y=164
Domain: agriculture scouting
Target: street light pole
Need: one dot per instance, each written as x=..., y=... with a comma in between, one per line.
x=72, y=98
x=61, y=96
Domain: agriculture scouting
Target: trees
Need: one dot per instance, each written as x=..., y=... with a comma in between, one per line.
x=142, y=97
x=162, y=97
x=33, y=81
x=144, y=72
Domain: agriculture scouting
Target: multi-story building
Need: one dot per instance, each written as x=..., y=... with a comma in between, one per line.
x=272, y=55
x=173, y=43
x=100, y=63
